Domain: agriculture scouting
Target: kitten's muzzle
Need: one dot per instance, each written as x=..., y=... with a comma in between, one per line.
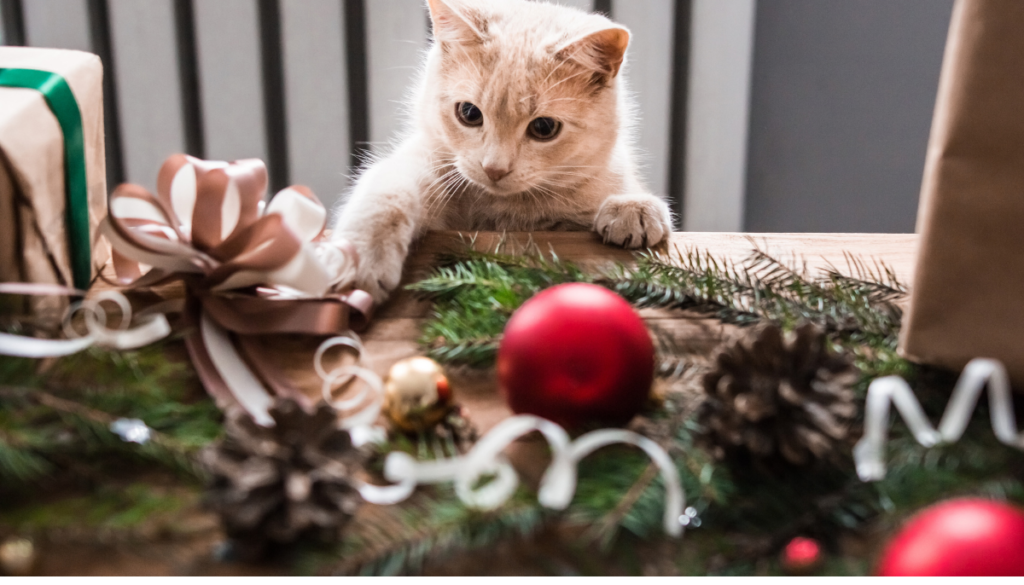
x=496, y=173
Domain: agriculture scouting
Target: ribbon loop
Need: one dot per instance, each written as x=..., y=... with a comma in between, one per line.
x=148, y=330
x=869, y=452
x=558, y=484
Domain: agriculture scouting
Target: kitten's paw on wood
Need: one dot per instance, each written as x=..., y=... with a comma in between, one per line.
x=378, y=274
x=633, y=221
x=380, y=280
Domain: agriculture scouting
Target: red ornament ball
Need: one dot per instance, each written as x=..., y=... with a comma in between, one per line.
x=576, y=354
x=802, y=556
x=959, y=538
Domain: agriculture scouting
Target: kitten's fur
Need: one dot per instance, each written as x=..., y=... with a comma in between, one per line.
x=516, y=60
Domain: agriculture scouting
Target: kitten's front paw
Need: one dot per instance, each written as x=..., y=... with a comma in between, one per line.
x=378, y=272
x=633, y=221
x=380, y=279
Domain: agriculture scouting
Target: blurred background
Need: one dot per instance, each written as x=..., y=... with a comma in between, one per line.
x=758, y=115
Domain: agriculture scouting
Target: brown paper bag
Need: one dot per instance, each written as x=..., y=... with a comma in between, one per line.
x=33, y=234
x=968, y=294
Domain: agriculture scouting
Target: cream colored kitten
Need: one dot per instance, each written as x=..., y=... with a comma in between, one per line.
x=520, y=123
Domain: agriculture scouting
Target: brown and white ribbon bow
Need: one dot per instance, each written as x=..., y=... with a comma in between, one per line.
x=208, y=219
x=250, y=268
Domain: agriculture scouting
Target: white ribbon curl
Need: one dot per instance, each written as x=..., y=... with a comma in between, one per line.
x=557, y=486
x=869, y=452
x=148, y=330
x=359, y=412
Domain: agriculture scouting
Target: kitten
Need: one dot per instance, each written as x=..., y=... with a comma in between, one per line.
x=520, y=122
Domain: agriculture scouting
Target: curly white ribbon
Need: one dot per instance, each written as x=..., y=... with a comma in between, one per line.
x=557, y=487
x=869, y=452
x=236, y=374
x=149, y=329
x=359, y=412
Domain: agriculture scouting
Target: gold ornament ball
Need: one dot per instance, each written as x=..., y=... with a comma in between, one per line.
x=17, y=557
x=416, y=394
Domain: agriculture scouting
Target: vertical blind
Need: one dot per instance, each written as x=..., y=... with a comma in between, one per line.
x=310, y=86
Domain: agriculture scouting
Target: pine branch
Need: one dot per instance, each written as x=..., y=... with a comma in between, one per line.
x=94, y=431
x=476, y=295
x=604, y=530
x=19, y=463
x=65, y=411
x=474, y=353
x=394, y=542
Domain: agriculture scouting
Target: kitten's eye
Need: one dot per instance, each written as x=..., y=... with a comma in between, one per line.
x=544, y=128
x=469, y=114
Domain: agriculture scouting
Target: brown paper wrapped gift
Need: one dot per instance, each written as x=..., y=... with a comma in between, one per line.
x=34, y=230
x=968, y=294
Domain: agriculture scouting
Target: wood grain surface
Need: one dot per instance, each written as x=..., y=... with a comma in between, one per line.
x=397, y=324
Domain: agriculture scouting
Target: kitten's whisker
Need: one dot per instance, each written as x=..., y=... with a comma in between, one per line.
x=567, y=185
x=573, y=76
x=453, y=184
x=565, y=99
x=438, y=199
x=562, y=185
x=571, y=174
x=553, y=71
x=551, y=193
x=469, y=59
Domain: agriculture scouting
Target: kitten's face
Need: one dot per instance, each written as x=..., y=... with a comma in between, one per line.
x=523, y=93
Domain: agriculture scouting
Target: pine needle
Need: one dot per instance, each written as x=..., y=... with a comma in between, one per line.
x=477, y=293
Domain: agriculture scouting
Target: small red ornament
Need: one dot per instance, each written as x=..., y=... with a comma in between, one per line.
x=802, y=556
x=958, y=538
x=576, y=354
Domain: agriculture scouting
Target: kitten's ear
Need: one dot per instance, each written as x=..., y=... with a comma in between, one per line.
x=601, y=51
x=454, y=22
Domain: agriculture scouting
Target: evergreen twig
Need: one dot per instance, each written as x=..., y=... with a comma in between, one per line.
x=96, y=426
x=477, y=294
x=604, y=530
x=398, y=542
x=63, y=412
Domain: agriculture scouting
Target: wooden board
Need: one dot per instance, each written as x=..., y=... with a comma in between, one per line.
x=648, y=75
x=396, y=40
x=316, y=96
x=718, y=109
x=396, y=327
x=57, y=24
x=230, y=79
x=148, y=86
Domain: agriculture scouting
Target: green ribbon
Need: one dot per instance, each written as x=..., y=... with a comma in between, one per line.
x=62, y=102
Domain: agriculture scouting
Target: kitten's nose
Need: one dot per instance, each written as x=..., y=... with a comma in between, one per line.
x=496, y=173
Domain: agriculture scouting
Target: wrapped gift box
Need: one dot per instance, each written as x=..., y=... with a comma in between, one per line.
x=52, y=166
x=968, y=294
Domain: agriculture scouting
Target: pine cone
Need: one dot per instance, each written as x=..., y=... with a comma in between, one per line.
x=457, y=429
x=279, y=483
x=774, y=396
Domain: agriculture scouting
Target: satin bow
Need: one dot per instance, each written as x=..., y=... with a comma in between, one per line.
x=208, y=219
x=250, y=268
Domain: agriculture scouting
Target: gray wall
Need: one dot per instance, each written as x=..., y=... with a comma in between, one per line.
x=840, y=96
x=841, y=104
